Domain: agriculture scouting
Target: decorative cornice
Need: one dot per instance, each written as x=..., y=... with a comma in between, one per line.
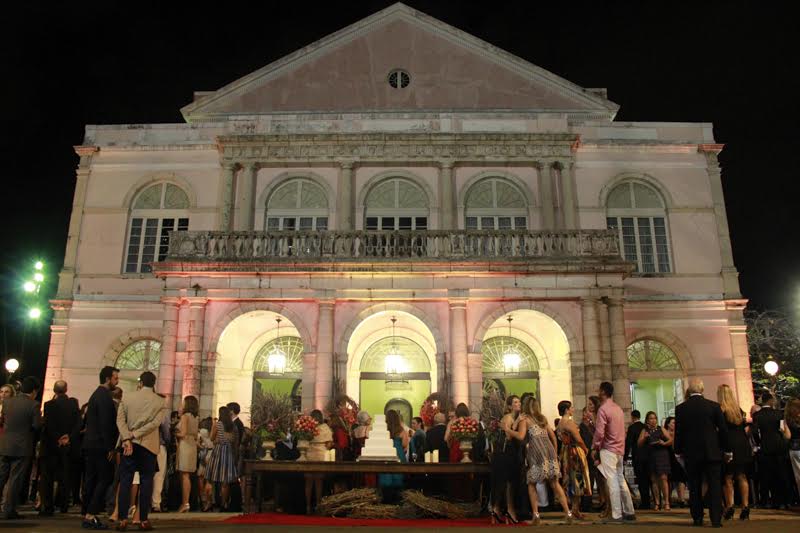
x=715, y=148
x=84, y=151
x=383, y=147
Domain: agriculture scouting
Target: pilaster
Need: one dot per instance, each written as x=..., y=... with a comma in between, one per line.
x=169, y=339
x=457, y=298
x=323, y=384
x=194, y=347
x=245, y=198
x=226, y=199
x=447, y=217
x=619, y=354
x=58, y=339
x=568, y=193
x=546, y=188
x=345, y=200
x=591, y=343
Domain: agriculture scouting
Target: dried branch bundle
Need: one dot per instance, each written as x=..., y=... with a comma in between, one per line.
x=433, y=506
x=345, y=502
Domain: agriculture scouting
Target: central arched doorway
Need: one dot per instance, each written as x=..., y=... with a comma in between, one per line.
x=391, y=363
x=278, y=369
x=509, y=367
x=656, y=378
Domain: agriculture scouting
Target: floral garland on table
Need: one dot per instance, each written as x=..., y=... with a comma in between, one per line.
x=464, y=428
x=305, y=428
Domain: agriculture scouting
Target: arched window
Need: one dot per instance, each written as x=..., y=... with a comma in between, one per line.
x=413, y=358
x=636, y=210
x=648, y=355
x=495, y=203
x=509, y=367
x=140, y=356
x=291, y=347
x=396, y=204
x=298, y=204
x=156, y=211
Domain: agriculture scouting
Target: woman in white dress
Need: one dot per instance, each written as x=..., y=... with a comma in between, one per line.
x=186, y=458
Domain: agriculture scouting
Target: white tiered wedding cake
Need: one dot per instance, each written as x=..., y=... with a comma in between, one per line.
x=379, y=445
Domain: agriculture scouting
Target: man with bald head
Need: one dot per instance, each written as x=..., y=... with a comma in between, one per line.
x=701, y=437
x=62, y=425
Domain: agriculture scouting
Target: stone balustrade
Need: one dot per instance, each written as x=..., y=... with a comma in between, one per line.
x=375, y=246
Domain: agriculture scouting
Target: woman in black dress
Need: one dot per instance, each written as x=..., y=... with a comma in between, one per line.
x=677, y=476
x=742, y=453
x=506, y=467
x=656, y=442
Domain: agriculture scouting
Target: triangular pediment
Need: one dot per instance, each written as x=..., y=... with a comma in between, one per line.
x=348, y=71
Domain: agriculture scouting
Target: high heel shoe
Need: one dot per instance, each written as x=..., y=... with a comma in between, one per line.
x=510, y=519
x=569, y=519
x=536, y=520
x=184, y=508
x=728, y=513
x=495, y=518
x=745, y=515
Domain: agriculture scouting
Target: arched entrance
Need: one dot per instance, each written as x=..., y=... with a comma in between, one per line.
x=255, y=350
x=509, y=367
x=656, y=378
x=391, y=363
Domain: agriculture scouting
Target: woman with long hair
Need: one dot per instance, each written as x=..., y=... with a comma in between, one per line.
x=186, y=433
x=541, y=456
x=455, y=454
x=677, y=477
x=574, y=465
x=391, y=484
x=506, y=466
x=742, y=456
x=656, y=442
x=222, y=463
x=792, y=417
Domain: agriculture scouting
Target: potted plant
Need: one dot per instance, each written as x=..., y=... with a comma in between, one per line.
x=305, y=429
x=464, y=430
x=271, y=416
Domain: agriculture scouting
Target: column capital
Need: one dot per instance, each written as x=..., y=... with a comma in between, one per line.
x=614, y=301
x=84, y=151
x=347, y=164
x=589, y=300
x=446, y=164
x=196, y=301
x=326, y=303
x=230, y=166
x=457, y=298
x=251, y=166
x=171, y=300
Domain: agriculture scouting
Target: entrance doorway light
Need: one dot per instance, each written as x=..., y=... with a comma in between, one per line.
x=276, y=359
x=511, y=357
x=394, y=363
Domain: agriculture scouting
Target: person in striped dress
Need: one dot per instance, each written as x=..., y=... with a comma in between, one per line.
x=222, y=463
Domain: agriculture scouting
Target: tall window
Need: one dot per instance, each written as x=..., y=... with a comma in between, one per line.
x=636, y=211
x=157, y=210
x=495, y=203
x=140, y=356
x=298, y=204
x=646, y=355
x=396, y=204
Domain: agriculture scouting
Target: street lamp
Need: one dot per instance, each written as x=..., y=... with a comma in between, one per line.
x=38, y=265
x=38, y=277
x=35, y=313
x=771, y=368
x=29, y=286
x=12, y=365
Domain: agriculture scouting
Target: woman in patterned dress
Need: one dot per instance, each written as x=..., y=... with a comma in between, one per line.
x=656, y=441
x=222, y=464
x=540, y=456
x=574, y=466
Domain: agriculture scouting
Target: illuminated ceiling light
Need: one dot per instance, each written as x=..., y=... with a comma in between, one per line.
x=38, y=265
x=29, y=286
x=394, y=363
x=511, y=357
x=38, y=277
x=35, y=313
x=276, y=358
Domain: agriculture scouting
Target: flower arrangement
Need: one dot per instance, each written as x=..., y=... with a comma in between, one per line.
x=271, y=414
x=305, y=428
x=345, y=407
x=464, y=428
x=433, y=404
x=492, y=410
x=495, y=433
x=272, y=430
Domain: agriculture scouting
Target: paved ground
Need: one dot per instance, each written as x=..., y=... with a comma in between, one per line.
x=676, y=521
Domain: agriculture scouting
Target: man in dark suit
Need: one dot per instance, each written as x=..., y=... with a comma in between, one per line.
x=61, y=427
x=22, y=421
x=99, y=442
x=701, y=436
x=633, y=453
x=434, y=438
x=772, y=456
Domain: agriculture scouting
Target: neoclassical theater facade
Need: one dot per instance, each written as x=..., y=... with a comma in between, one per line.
x=397, y=209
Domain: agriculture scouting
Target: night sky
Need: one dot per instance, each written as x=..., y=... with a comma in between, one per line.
x=75, y=63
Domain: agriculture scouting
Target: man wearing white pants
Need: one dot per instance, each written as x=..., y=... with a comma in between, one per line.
x=608, y=447
x=158, y=479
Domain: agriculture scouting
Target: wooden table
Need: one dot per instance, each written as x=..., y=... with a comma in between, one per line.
x=254, y=469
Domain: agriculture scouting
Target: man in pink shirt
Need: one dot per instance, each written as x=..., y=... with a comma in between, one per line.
x=608, y=446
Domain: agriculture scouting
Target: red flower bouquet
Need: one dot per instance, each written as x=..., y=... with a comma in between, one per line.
x=427, y=411
x=305, y=428
x=464, y=428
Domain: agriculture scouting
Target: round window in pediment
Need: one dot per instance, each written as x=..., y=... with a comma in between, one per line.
x=399, y=79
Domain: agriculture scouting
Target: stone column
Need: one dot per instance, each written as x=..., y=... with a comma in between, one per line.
x=67, y=274
x=568, y=195
x=605, y=343
x=169, y=339
x=58, y=339
x=475, y=376
x=323, y=385
x=730, y=276
x=619, y=354
x=741, y=355
x=345, y=203
x=226, y=197
x=591, y=344
x=194, y=348
x=245, y=198
x=447, y=214
x=459, y=373
x=546, y=186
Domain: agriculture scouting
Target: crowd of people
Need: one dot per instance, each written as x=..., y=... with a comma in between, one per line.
x=122, y=454
x=125, y=455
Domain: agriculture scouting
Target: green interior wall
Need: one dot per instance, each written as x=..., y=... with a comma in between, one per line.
x=520, y=386
x=278, y=386
x=650, y=395
x=375, y=394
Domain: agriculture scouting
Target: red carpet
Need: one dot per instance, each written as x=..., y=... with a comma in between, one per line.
x=281, y=519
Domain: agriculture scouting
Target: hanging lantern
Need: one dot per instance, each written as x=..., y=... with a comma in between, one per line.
x=511, y=356
x=394, y=362
x=276, y=358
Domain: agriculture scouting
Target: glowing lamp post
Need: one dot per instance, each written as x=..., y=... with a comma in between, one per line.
x=771, y=368
x=35, y=313
x=29, y=286
x=38, y=265
x=12, y=365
